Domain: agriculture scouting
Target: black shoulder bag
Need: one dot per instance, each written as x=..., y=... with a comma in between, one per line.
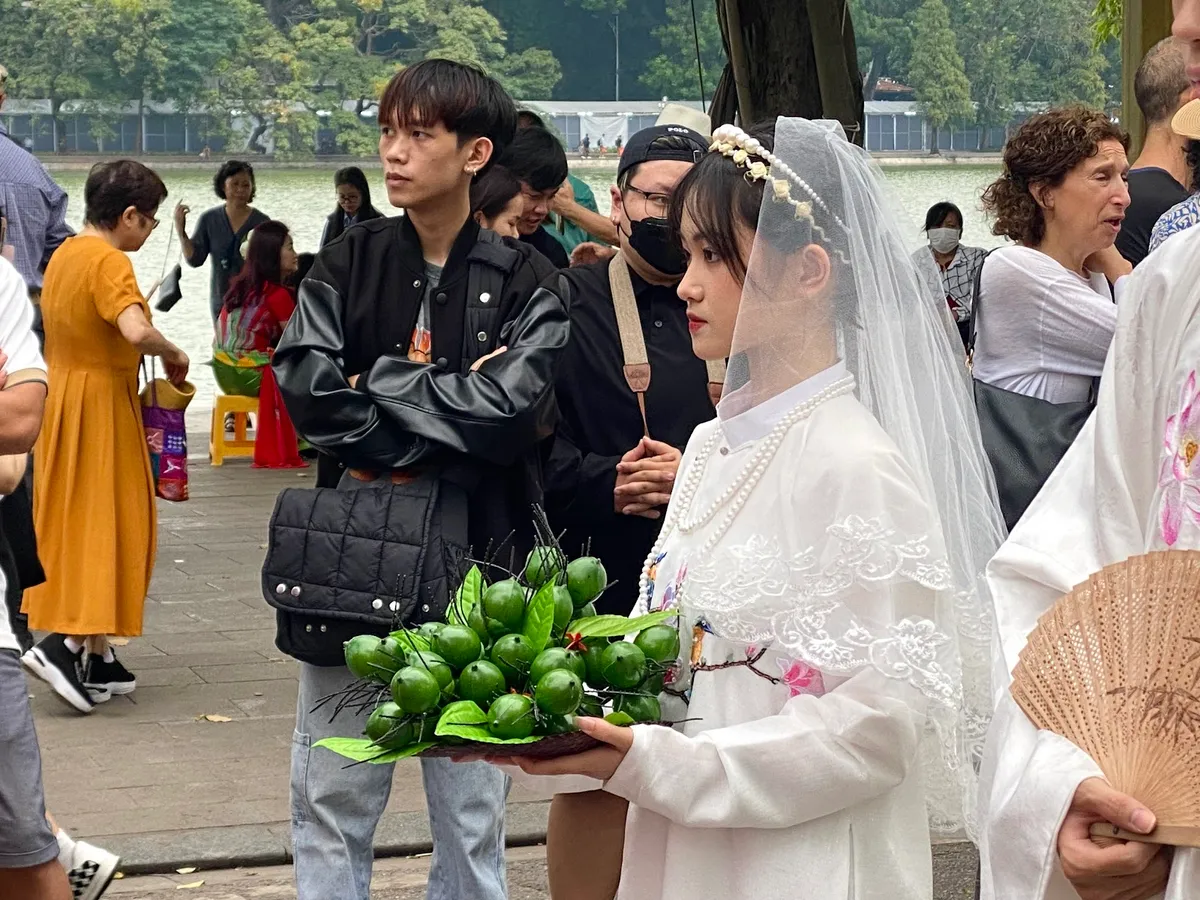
x=376, y=556
x=1024, y=437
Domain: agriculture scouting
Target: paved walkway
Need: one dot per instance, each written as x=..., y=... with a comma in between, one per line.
x=151, y=779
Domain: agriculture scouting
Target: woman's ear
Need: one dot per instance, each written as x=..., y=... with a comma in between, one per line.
x=814, y=269
x=1043, y=195
x=131, y=218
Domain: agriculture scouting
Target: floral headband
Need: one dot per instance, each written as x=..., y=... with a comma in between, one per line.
x=734, y=143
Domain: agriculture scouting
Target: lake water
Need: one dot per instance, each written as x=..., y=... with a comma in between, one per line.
x=304, y=197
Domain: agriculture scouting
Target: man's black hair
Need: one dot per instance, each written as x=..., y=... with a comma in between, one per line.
x=537, y=159
x=231, y=168
x=464, y=99
x=527, y=118
x=113, y=187
x=939, y=212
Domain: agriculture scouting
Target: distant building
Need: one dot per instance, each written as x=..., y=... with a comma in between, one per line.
x=892, y=126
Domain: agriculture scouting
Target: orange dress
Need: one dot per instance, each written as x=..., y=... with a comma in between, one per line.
x=93, y=502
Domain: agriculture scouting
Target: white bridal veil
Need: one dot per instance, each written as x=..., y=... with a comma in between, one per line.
x=894, y=576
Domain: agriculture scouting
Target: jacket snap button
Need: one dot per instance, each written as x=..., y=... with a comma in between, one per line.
x=441, y=298
x=377, y=603
x=485, y=297
x=425, y=608
x=482, y=336
x=323, y=628
x=394, y=606
x=443, y=363
x=417, y=283
x=296, y=591
x=658, y=323
x=280, y=588
x=308, y=628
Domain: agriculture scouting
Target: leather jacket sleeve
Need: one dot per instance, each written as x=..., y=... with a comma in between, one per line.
x=496, y=413
x=326, y=411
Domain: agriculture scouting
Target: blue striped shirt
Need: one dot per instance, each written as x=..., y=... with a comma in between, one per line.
x=36, y=209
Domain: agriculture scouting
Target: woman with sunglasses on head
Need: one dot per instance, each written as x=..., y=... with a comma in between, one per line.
x=94, y=506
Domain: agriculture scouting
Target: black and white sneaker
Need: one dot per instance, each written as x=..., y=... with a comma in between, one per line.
x=108, y=676
x=54, y=663
x=91, y=872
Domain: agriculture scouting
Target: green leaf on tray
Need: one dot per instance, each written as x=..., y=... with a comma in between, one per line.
x=620, y=718
x=619, y=626
x=366, y=750
x=481, y=734
x=464, y=719
x=539, y=617
x=461, y=712
x=470, y=592
x=412, y=640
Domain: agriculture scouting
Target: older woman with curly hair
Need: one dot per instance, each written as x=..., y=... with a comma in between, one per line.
x=1046, y=314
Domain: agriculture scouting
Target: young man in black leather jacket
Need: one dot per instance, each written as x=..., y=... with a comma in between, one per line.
x=399, y=365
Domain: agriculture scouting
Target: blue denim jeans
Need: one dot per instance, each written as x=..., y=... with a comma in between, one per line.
x=335, y=810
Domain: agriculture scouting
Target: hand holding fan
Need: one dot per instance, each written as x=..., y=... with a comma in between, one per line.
x=1114, y=667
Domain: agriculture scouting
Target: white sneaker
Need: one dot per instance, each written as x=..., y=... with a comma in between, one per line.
x=91, y=872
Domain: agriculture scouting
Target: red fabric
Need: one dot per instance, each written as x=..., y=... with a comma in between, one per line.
x=275, y=445
x=258, y=324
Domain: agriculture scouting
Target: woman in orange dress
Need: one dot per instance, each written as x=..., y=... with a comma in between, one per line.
x=94, y=496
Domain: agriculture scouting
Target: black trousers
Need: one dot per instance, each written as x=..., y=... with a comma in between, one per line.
x=18, y=550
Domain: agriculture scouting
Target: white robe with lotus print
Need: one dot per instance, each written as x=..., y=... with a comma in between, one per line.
x=1130, y=484
x=809, y=784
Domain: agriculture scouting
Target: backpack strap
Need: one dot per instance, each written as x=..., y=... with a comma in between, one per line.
x=489, y=266
x=974, y=320
x=633, y=342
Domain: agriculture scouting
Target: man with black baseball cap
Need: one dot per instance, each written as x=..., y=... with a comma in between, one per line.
x=630, y=390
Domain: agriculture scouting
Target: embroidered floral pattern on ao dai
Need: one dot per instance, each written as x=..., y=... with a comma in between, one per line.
x=1179, y=474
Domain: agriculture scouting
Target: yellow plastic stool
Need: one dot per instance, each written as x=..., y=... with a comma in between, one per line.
x=220, y=447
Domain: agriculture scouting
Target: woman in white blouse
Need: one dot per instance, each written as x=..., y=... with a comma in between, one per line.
x=824, y=547
x=1045, y=313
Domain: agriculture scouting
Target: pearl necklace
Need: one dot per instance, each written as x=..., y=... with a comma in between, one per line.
x=734, y=497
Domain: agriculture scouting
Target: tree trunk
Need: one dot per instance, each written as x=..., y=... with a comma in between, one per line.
x=789, y=58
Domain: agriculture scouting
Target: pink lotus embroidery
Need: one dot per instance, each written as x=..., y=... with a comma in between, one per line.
x=801, y=678
x=1180, y=473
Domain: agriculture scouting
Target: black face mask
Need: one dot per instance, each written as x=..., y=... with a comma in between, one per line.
x=651, y=240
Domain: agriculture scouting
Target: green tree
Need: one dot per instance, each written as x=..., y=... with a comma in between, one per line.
x=49, y=49
x=936, y=69
x=884, y=33
x=673, y=72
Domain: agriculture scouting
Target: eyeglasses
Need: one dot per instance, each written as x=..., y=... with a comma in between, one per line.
x=656, y=203
x=154, y=223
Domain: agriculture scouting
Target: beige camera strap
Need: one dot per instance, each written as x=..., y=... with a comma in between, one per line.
x=633, y=342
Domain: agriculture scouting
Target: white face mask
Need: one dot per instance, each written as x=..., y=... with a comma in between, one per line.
x=944, y=240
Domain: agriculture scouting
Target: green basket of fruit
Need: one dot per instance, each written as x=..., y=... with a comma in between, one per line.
x=508, y=670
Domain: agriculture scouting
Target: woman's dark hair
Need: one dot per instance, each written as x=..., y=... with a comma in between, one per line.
x=113, y=187
x=1193, y=161
x=354, y=177
x=262, y=264
x=1042, y=153
x=939, y=213
x=304, y=262
x=716, y=185
x=463, y=98
x=227, y=171
x=537, y=159
x=491, y=193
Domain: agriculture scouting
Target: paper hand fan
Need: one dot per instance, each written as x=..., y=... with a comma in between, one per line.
x=1114, y=667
